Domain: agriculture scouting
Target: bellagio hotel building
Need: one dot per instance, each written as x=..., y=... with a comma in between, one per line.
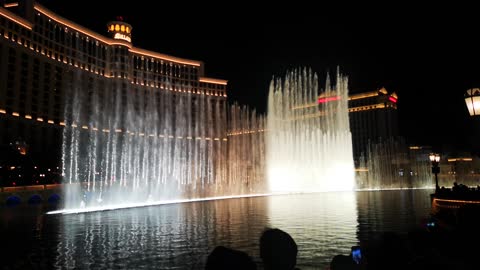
x=41, y=53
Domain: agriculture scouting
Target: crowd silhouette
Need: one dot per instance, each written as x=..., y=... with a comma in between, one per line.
x=226, y=258
x=459, y=191
x=387, y=250
x=278, y=251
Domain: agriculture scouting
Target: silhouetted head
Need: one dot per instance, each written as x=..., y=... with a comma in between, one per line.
x=342, y=262
x=225, y=258
x=278, y=250
x=388, y=250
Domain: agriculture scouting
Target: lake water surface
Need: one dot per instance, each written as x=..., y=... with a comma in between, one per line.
x=180, y=236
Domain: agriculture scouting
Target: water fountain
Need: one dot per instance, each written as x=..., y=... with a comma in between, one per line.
x=164, y=145
x=246, y=150
x=169, y=145
x=309, y=144
x=391, y=164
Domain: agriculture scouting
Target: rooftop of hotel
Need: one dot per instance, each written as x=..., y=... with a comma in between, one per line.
x=11, y=12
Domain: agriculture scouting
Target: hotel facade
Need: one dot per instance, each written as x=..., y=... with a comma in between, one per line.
x=48, y=64
x=43, y=57
x=373, y=117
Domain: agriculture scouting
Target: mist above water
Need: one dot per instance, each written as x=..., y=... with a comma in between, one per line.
x=308, y=139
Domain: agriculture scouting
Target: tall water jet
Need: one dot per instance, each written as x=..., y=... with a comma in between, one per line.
x=246, y=150
x=157, y=146
x=161, y=144
x=391, y=164
x=309, y=144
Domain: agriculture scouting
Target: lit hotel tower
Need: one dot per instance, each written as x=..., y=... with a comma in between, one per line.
x=373, y=116
x=41, y=54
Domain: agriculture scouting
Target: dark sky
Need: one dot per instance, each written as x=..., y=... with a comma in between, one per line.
x=427, y=54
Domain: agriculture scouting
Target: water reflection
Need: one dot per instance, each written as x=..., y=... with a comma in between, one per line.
x=322, y=224
x=167, y=237
x=396, y=211
x=181, y=236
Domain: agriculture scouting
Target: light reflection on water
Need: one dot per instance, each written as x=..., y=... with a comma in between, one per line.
x=321, y=224
x=181, y=236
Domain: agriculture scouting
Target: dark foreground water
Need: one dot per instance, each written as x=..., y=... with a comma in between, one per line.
x=181, y=236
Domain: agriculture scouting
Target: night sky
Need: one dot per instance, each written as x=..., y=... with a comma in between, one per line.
x=427, y=54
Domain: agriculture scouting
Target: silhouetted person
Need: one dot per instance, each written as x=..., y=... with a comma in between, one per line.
x=278, y=250
x=226, y=258
x=343, y=262
x=354, y=261
x=388, y=251
x=455, y=187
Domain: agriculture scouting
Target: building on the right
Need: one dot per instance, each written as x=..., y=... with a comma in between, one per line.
x=373, y=117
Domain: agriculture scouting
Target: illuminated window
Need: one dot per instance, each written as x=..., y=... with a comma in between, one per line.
x=117, y=27
x=122, y=28
x=127, y=29
x=112, y=27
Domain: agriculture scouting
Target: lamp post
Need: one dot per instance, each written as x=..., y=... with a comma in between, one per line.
x=472, y=99
x=435, y=159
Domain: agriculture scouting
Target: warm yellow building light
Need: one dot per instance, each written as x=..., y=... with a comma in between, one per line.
x=459, y=159
x=363, y=95
x=211, y=80
x=9, y=5
x=13, y=17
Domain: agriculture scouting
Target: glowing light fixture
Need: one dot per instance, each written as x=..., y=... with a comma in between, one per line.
x=328, y=99
x=435, y=159
x=122, y=36
x=472, y=99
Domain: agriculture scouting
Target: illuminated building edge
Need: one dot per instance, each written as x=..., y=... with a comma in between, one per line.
x=36, y=38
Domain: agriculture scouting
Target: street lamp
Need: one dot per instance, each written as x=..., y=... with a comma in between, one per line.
x=472, y=99
x=435, y=159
